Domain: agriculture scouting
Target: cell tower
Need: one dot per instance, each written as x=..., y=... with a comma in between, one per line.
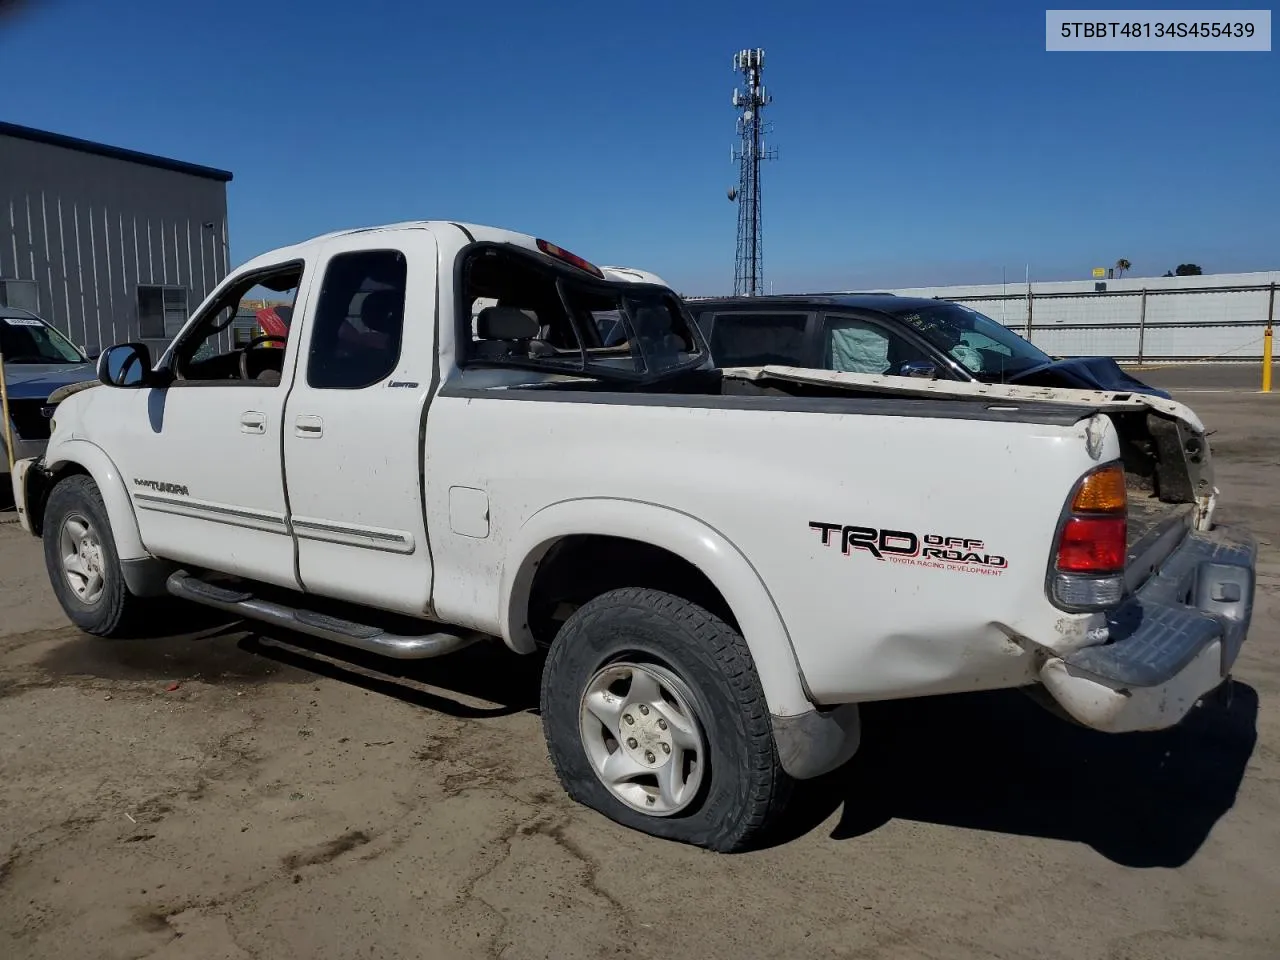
x=750, y=151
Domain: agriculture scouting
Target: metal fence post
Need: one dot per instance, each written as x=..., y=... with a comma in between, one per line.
x=1142, y=323
x=1030, y=297
x=1266, y=340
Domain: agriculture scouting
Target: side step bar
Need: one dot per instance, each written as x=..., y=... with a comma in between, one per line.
x=364, y=637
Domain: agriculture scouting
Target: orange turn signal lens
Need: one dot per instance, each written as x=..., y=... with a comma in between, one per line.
x=1101, y=492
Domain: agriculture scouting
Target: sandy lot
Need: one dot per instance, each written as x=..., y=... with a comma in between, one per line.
x=226, y=794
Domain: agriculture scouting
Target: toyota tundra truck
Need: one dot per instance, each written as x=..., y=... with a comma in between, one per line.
x=468, y=435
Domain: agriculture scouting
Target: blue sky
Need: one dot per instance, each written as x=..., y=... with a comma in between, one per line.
x=919, y=142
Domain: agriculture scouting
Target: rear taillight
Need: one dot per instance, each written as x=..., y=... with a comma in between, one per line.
x=1089, y=557
x=1092, y=545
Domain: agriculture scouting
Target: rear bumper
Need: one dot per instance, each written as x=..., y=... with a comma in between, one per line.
x=1170, y=643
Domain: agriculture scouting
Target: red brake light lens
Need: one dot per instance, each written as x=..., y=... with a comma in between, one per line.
x=551, y=250
x=1092, y=545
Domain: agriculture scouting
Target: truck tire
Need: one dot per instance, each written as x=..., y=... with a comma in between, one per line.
x=80, y=554
x=654, y=716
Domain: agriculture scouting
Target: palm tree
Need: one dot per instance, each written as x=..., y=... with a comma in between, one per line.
x=1121, y=266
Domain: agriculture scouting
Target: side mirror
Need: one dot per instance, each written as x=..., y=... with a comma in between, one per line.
x=125, y=365
x=918, y=368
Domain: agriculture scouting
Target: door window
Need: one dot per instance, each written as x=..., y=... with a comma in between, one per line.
x=206, y=353
x=359, y=320
x=854, y=345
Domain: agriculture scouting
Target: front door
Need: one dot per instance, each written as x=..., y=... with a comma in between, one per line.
x=354, y=424
x=201, y=457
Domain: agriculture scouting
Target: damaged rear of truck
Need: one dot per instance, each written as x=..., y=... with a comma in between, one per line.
x=1156, y=597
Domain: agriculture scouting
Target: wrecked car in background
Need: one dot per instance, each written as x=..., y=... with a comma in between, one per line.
x=882, y=333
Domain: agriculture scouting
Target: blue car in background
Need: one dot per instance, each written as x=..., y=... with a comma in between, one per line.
x=37, y=361
x=881, y=333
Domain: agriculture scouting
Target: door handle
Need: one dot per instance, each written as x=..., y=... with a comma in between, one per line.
x=253, y=422
x=308, y=426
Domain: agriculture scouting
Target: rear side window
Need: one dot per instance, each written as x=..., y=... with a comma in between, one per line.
x=756, y=339
x=359, y=320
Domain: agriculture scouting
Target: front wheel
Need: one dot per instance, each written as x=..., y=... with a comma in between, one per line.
x=654, y=716
x=80, y=554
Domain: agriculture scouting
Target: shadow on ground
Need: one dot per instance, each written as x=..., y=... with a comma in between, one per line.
x=1000, y=762
x=990, y=761
x=182, y=641
x=486, y=671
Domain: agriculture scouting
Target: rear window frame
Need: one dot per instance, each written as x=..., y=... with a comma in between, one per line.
x=562, y=273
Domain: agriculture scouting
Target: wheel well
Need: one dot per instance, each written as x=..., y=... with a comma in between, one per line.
x=580, y=567
x=40, y=484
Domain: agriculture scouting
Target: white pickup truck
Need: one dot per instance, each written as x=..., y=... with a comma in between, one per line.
x=468, y=434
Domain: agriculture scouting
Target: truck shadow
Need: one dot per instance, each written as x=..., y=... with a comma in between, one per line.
x=999, y=762
x=989, y=761
x=487, y=672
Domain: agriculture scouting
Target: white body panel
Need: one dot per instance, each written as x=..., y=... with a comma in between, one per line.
x=437, y=493
x=860, y=629
x=203, y=469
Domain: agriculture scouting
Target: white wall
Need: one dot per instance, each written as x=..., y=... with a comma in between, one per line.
x=1070, y=318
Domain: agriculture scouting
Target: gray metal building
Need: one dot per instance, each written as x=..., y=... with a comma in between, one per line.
x=108, y=245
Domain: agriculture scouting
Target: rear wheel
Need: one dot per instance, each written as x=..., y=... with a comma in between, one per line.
x=80, y=554
x=654, y=716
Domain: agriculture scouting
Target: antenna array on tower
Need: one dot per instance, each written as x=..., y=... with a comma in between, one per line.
x=748, y=153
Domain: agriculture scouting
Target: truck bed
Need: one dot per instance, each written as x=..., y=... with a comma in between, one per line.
x=1146, y=512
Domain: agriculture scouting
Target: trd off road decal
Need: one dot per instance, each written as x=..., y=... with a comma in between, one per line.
x=902, y=546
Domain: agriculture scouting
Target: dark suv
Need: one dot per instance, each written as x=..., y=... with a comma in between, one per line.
x=881, y=333
x=37, y=361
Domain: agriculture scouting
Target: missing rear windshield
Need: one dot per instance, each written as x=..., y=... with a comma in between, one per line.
x=523, y=313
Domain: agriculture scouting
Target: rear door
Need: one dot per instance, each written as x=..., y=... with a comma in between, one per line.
x=354, y=420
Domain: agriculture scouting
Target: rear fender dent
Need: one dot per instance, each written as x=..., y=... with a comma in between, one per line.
x=686, y=537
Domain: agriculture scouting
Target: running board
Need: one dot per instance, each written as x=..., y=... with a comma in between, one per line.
x=362, y=636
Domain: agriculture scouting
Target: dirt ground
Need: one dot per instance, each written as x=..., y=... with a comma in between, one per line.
x=226, y=794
